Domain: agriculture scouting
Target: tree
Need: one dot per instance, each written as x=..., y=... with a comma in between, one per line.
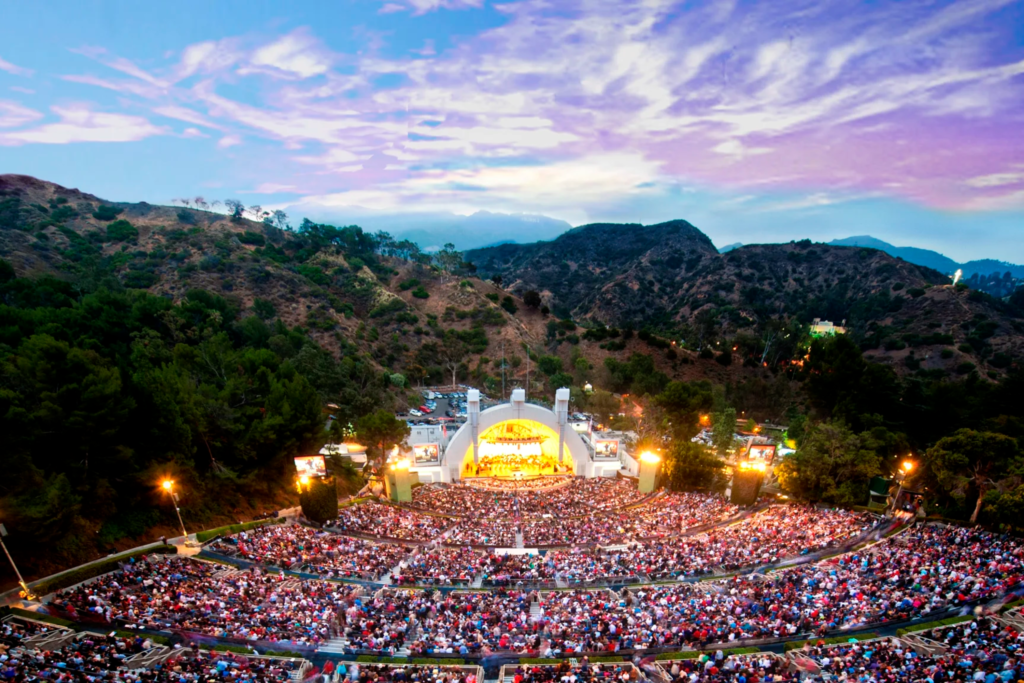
x=603, y=405
x=236, y=208
x=690, y=466
x=279, y=219
x=832, y=465
x=496, y=279
x=971, y=461
x=448, y=259
x=381, y=431
x=549, y=365
x=531, y=298
x=684, y=403
x=723, y=430
x=319, y=500
x=452, y=351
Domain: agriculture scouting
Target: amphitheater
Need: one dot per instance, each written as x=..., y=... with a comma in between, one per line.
x=557, y=577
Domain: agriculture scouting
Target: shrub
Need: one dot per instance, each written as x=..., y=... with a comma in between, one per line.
x=420, y=293
x=406, y=285
x=898, y=286
x=121, y=231
x=966, y=348
x=204, y=536
x=1000, y=360
x=915, y=292
x=105, y=212
x=965, y=367
x=724, y=358
x=250, y=237
x=946, y=353
x=493, y=296
x=509, y=305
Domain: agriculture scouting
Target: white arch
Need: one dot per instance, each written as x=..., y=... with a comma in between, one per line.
x=462, y=442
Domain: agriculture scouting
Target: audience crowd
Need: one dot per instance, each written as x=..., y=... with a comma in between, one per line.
x=93, y=657
x=444, y=566
x=298, y=548
x=388, y=521
x=718, y=667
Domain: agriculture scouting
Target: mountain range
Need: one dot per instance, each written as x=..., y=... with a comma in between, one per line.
x=924, y=257
x=668, y=279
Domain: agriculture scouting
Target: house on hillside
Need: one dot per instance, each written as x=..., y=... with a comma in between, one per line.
x=825, y=328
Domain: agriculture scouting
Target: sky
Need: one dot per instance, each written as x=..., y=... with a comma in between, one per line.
x=756, y=121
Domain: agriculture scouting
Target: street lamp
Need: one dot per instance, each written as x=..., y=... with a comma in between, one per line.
x=168, y=485
x=906, y=467
x=26, y=593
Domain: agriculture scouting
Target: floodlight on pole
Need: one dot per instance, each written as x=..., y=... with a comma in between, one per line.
x=26, y=592
x=168, y=486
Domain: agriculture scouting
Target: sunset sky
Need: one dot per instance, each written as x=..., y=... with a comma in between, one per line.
x=756, y=121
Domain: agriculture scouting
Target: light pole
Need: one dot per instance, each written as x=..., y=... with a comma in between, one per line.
x=24, y=586
x=905, y=468
x=168, y=485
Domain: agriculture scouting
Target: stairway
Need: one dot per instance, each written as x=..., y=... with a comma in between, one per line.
x=535, y=610
x=519, y=539
x=334, y=646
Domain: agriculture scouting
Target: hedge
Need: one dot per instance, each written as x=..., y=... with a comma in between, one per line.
x=933, y=624
x=838, y=640
x=1010, y=605
x=694, y=654
x=159, y=640
x=204, y=536
x=75, y=576
x=29, y=614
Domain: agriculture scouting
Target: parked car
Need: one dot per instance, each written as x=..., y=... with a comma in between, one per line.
x=415, y=413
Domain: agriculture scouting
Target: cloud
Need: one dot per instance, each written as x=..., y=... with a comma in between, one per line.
x=194, y=133
x=79, y=124
x=736, y=148
x=297, y=54
x=14, y=69
x=27, y=91
x=997, y=179
x=14, y=115
x=811, y=99
x=270, y=188
x=228, y=141
x=424, y=6
x=186, y=115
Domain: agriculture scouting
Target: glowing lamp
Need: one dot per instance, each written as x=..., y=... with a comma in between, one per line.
x=304, y=480
x=649, y=458
x=401, y=465
x=167, y=484
x=748, y=465
x=907, y=466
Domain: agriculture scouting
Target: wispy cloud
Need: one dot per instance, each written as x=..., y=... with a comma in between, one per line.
x=80, y=124
x=14, y=68
x=14, y=115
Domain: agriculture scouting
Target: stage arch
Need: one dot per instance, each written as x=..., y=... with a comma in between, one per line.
x=516, y=427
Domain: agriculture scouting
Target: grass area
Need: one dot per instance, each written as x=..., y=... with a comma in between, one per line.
x=933, y=624
x=694, y=654
x=159, y=640
x=243, y=650
x=1010, y=605
x=204, y=536
x=29, y=614
x=837, y=640
x=354, y=501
